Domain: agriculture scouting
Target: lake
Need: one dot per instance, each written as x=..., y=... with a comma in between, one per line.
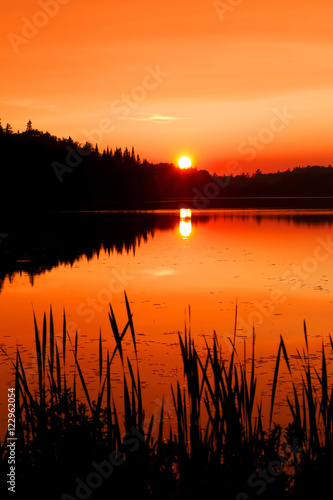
x=176, y=267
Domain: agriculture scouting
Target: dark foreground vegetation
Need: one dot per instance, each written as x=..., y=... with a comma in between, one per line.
x=42, y=173
x=72, y=447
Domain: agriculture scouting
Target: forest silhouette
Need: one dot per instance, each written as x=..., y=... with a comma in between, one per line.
x=41, y=173
x=35, y=248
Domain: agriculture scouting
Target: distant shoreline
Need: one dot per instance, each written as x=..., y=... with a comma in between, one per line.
x=19, y=217
x=235, y=202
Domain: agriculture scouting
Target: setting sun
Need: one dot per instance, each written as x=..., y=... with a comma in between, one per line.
x=184, y=162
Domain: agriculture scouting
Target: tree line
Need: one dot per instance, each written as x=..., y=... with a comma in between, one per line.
x=41, y=173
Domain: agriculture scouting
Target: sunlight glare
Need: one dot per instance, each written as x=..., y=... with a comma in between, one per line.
x=185, y=228
x=185, y=212
x=184, y=162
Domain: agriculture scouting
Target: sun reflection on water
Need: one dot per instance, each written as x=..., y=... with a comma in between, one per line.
x=185, y=224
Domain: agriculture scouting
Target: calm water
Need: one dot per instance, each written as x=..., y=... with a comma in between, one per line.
x=276, y=265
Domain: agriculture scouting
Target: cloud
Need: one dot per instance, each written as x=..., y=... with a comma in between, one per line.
x=29, y=103
x=149, y=117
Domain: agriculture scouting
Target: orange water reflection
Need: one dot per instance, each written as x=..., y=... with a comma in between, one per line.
x=278, y=267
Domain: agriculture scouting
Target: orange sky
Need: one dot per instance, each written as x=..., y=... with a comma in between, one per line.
x=222, y=68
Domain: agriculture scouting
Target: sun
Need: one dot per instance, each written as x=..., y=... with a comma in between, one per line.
x=184, y=162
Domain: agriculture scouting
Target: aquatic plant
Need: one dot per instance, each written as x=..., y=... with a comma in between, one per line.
x=72, y=443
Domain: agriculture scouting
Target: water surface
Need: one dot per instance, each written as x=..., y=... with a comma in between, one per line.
x=276, y=265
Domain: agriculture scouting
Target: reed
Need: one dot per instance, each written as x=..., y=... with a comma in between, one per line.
x=221, y=442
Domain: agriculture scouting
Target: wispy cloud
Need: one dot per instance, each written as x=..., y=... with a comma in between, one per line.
x=29, y=103
x=149, y=117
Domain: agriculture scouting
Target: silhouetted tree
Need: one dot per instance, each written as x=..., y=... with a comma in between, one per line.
x=133, y=156
x=118, y=156
x=88, y=147
x=126, y=157
x=9, y=129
